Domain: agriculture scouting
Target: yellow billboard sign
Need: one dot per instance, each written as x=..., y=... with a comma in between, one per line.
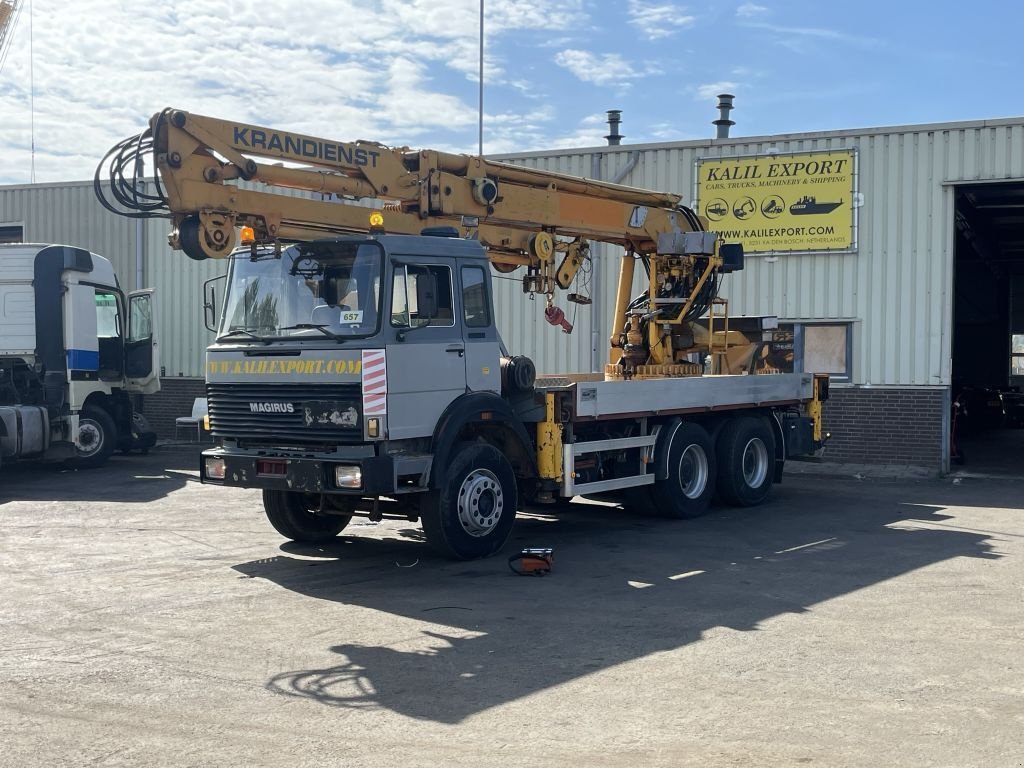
x=773, y=203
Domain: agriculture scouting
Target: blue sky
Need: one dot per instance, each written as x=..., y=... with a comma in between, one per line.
x=404, y=71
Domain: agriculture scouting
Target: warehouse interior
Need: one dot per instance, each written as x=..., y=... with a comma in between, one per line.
x=988, y=330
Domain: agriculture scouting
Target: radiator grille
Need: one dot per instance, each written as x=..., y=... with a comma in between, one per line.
x=232, y=415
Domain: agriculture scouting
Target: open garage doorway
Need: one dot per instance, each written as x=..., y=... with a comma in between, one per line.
x=988, y=330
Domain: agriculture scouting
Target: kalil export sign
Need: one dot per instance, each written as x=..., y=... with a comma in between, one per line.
x=781, y=203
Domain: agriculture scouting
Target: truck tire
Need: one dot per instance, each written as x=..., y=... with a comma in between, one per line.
x=471, y=512
x=97, y=437
x=690, y=484
x=140, y=436
x=292, y=515
x=746, y=460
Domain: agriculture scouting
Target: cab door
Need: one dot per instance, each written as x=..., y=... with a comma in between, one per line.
x=426, y=366
x=142, y=363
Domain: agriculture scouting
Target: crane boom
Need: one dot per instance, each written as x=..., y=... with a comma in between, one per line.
x=524, y=217
x=9, y=13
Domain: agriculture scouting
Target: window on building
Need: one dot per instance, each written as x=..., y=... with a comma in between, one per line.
x=809, y=348
x=1017, y=354
x=12, y=233
x=826, y=349
x=778, y=355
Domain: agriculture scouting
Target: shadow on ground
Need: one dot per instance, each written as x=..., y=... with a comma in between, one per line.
x=133, y=478
x=623, y=588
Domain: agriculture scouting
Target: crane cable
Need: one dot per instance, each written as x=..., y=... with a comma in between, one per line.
x=123, y=165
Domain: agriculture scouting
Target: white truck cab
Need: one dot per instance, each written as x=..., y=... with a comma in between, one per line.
x=73, y=349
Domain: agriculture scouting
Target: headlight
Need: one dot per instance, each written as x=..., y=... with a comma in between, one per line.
x=215, y=468
x=348, y=476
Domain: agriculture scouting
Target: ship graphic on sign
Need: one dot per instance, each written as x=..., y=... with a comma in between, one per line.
x=808, y=205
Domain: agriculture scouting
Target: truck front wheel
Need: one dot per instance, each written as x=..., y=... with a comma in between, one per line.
x=746, y=458
x=690, y=484
x=97, y=438
x=295, y=516
x=471, y=512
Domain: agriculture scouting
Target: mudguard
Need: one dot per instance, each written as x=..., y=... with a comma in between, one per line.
x=485, y=410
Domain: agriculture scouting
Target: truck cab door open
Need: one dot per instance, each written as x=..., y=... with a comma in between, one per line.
x=142, y=364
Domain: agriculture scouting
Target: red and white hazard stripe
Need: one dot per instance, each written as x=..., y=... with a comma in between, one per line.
x=375, y=382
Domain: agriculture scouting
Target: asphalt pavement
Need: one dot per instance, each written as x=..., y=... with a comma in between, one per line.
x=148, y=620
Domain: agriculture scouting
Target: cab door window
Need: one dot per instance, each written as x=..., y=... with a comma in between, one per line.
x=475, y=307
x=108, y=319
x=108, y=333
x=140, y=323
x=422, y=295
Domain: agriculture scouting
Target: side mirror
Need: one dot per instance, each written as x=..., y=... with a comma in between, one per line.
x=210, y=302
x=426, y=295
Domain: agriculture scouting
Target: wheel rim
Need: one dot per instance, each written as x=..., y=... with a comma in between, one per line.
x=90, y=438
x=693, y=471
x=755, y=462
x=481, y=501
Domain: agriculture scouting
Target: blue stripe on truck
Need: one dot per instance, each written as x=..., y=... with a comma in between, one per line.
x=83, y=360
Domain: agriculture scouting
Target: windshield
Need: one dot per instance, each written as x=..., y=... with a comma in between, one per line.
x=322, y=289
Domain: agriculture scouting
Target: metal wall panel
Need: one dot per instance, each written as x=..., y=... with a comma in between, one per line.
x=896, y=288
x=70, y=214
x=179, y=295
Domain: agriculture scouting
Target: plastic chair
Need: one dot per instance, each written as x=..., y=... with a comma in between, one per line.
x=195, y=421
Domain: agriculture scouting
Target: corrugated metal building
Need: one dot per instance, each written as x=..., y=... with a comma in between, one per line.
x=928, y=194
x=923, y=191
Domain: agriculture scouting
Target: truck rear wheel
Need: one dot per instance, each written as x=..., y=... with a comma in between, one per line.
x=690, y=484
x=97, y=438
x=294, y=515
x=471, y=512
x=746, y=458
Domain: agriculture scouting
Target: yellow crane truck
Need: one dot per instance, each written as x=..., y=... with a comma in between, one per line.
x=357, y=368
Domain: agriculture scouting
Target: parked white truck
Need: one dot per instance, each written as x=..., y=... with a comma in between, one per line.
x=73, y=349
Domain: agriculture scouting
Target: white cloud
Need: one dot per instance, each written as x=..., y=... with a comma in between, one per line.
x=711, y=90
x=657, y=20
x=598, y=68
x=345, y=69
x=598, y=118
x=797, y=38
x=751, y=10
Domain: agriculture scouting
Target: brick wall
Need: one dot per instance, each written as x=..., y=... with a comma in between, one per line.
x=874, y=425
x=174, y=399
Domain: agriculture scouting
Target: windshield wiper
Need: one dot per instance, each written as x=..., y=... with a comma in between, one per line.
x=247, y=332
x=322, y=327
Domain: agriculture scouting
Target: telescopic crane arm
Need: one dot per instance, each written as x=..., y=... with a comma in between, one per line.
x=524, y=217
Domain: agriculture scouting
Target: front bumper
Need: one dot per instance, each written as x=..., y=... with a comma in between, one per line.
x=302, y=474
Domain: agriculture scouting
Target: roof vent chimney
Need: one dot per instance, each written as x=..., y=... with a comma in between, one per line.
x=614, y=118
x=723, y=122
